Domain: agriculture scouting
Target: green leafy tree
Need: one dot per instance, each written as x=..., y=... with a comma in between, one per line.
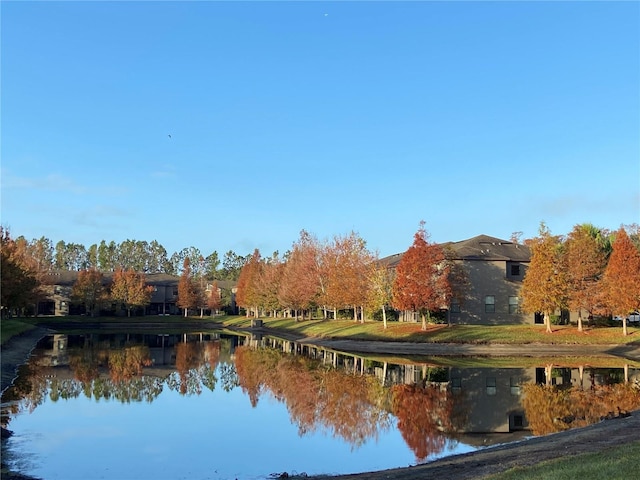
x=231, y=265
x=130, y=288
x=107, y=256
x=422, y=281
x=380, y=293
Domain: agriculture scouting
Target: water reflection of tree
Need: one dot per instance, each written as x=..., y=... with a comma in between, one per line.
x=551, y=408
x=127, y=363
x=350, y=406
x=196, y=364
x=424, y=412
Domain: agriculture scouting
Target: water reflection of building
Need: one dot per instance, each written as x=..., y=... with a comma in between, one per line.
x=55, y=352
x=491, y=397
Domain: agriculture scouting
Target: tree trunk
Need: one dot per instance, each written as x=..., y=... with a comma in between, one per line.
x=355, y=313
x=384, y=373
x=579, y=319
x=547, y=322
x=624, y=326
x=384, y=320
x=424, y=320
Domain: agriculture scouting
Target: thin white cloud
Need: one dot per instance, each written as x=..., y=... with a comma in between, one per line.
x=51, y=182
x=100, y=216
x=167, y=171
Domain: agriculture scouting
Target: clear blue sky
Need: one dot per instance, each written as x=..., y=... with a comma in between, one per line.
x=477, y=117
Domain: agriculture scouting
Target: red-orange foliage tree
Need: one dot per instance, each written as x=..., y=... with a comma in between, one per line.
x=422, y=281
x=544, y=288
x=621, y=279
x=348, y=276
x=269, y=284
x=215, y=299
x=585, y=261
x=131, y=289
x=248, y=284
x=19, y=285
x=187, y=290
x=299, y=285
x=423, y=414
x=89, y=289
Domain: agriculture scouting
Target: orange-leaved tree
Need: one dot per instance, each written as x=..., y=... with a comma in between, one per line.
x=348, y=276
x=188, y=295
x=215, y=299
x=586, y=250
x=89, y=289
x=299, y=284
x=422, y=282
x=130, y=288
x=247, y=294
x=544, y=288
x=621, y=280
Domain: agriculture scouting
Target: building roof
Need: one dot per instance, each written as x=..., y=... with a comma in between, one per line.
x=484, y=247
x=481, y=247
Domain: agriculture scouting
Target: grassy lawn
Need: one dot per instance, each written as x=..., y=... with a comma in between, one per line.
x=396, y=331
x=411, y=332
x=614, y=463
x=12, y=326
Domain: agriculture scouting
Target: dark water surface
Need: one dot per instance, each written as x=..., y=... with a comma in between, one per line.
x=215, y=406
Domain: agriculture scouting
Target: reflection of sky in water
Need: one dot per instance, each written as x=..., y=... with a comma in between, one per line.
x=216, y=435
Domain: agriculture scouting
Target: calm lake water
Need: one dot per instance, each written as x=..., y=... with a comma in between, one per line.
x=217, y=406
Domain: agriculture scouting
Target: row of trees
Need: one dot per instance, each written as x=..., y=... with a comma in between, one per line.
x=589, y=271
x=26, y=265
x=342, y=274
x=128, y=288
x=140, y=256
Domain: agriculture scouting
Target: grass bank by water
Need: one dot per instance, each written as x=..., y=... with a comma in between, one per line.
x=612, y=463
x=11, y=327
x=473, y=334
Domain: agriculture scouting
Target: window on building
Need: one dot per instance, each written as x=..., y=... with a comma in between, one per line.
x=518, y=421
x=514, y=305
x=455, y=306
x=456, y=385
x=489, y=304
x=515, y=386
x=515, y=270
x=492, y=389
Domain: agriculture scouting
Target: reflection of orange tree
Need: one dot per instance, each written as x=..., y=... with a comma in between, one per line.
x=346, y=404
x=127, y=362
x=423, y=414
x=552, y=409
x=254, y=367
x=84, y=363
x=188, y=358
x=352, y=405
